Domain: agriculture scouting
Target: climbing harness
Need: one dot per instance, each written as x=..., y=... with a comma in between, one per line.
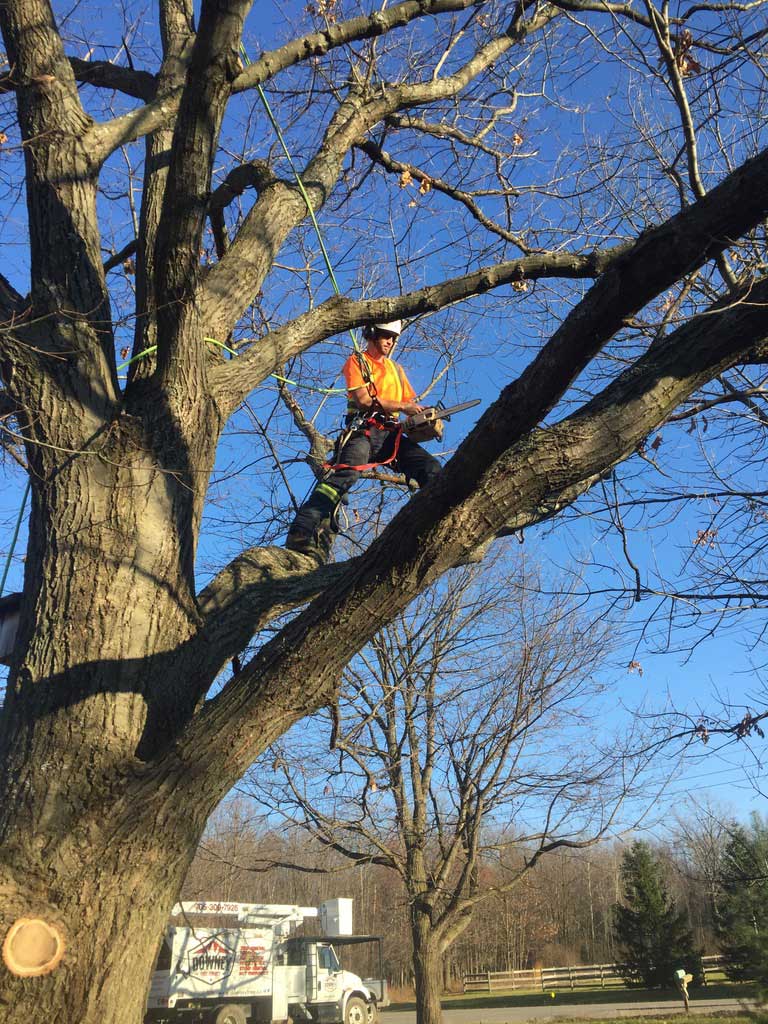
x=375, y=422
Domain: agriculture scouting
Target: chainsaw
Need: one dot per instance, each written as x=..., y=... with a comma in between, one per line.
x=428, y=424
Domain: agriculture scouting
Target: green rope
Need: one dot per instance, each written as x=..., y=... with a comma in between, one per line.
x=15, y=537
x=215, y=341
x=300, y=183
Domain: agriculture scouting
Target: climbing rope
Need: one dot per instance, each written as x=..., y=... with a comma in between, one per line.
x=214, y=341
x=15, y=537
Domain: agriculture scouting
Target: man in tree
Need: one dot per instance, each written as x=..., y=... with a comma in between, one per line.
x=122, y=726
x=378, y=391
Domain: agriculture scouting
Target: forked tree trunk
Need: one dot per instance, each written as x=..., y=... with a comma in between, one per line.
x=97, y=827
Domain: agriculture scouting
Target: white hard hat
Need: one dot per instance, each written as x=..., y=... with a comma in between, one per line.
x=393, y=327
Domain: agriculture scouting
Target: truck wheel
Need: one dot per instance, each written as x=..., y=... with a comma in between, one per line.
x=373, y=1013
x=228, y=1015
x=356, y=1011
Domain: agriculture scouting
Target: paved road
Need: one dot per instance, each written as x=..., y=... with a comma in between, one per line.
x=551, y=1011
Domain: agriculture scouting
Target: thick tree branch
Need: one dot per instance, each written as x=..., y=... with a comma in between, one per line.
x=11, y=302
x=234, y=380
x=104, y=75
x=255, y=174
x=230, y=285
x=61, y=189
x=256, y=587
x=120, y=257
x=476, y=494
x=177, y=36
x=160, y=112
x=316, y=44
x=213, y=67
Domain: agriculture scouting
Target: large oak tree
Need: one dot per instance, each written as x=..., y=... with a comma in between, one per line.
x=113, y=747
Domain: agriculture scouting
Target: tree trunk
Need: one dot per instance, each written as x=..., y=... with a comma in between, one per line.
x=110, y=912
x=427, y=968
x=97, y=828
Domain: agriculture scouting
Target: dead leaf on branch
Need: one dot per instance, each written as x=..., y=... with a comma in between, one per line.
x=517, y=139
x=425, y=186
x=702, y=732
x=3, y=138
x=405, y=178
x=635, y=666
x=322, y=9
x=686, y=64
x=707, y=538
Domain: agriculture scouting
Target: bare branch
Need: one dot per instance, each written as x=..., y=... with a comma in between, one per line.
x=11, y=302
x=177, y=35
x=256, y=587
x=62, y=216
x=237, y=378
x=255, y=174
x=363, y=27
x=160, y=112
x=120, y=257
x=477, y=492
x=383, y=158
x=230, y=285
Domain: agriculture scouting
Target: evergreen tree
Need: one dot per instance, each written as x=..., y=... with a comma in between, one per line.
x=653, y=937
x=741, y=911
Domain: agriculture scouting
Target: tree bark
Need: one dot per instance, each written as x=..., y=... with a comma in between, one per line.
x=427, y=966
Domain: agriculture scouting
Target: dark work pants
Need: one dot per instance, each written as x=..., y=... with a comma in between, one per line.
x=378, y=446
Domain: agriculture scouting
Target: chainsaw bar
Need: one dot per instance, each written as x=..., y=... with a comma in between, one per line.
x=445, y=414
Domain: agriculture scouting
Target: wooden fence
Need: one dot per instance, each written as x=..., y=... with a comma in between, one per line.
x=588, y=975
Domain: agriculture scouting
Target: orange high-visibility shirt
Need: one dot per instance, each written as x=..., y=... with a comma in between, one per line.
x=388, y=378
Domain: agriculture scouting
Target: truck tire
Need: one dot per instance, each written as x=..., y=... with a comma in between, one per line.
x=228, y=1015
x=356, y=1011
x=373, y=1013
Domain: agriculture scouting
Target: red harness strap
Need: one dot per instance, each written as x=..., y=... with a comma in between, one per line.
x=331, y=466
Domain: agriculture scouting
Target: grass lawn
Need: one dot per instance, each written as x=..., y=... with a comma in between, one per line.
x=725, y=1017
x=564, y=997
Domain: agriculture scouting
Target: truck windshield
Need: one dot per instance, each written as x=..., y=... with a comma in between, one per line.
x=327, y=959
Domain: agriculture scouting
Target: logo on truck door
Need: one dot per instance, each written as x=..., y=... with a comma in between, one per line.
x=211, y=960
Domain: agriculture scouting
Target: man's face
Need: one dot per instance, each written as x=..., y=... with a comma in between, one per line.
x=384, y=342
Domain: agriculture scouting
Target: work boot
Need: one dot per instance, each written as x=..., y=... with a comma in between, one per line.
x=316, y=544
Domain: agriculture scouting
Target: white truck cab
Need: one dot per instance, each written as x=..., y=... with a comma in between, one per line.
x=252, y=969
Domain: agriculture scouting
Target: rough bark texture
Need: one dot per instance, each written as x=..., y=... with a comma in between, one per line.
x=427, y=967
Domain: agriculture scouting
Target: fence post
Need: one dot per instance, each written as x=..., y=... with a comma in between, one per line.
x=488, y=980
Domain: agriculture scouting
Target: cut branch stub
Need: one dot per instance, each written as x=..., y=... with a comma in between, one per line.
x=33, y=947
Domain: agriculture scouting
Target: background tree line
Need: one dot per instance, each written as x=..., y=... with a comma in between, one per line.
x=563, y=911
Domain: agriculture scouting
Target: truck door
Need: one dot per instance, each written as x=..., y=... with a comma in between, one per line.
x=328, y=974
